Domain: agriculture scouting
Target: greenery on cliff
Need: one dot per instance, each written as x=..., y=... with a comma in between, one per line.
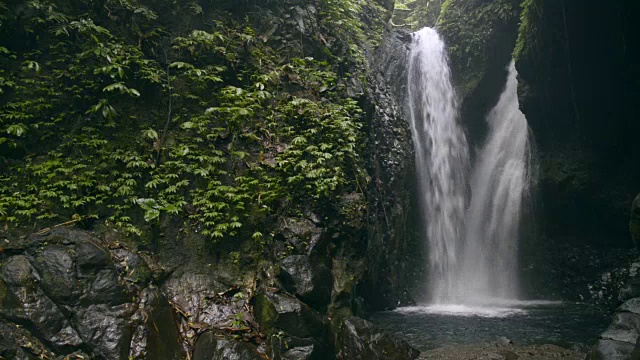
x=127, y=112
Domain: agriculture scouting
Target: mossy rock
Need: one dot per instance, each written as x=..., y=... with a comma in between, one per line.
x=276, y=312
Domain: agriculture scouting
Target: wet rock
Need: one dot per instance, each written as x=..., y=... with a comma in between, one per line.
x=69, y=297
x=611, y=350
x=632, y=306
x=277, y=311
x=208, y=347
x=360, y=340
x=26, y=303
x=302, y=234
x=106, y=329
x=294, y=348
x=106, y=289
x=91, y=258
x=197, y=295
x=624, y=328
x=155, y=334
x=57, y=274
x=631, y=287
x=491, y=356
x=133, y=266
x=310, y=280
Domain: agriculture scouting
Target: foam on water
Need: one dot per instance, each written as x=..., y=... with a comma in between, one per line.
x=491, y=308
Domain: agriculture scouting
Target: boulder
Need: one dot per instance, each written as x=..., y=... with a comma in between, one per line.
x=209, y=347
x=156, y=333
x=279, y=311
x=302, y=235
x=294, y=348
x=24, y=302
x=620, y=338
x=69, y=296
x=360, y=340
x=611, y=350
x=106, y=329
x=310, y=280
x=624, y=328
x=56, y=270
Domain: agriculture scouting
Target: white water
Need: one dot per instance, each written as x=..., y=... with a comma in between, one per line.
x=472, y=252
x=442, y=158
x=499, y=185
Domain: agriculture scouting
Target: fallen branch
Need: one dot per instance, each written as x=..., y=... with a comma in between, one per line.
x=70, y=222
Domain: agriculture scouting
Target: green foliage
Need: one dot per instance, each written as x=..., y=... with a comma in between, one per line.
x=527, y=35
x=468, y=27
x=416, y=14
x=108, y=116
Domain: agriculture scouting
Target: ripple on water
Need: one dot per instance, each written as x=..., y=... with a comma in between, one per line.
x=525, y=322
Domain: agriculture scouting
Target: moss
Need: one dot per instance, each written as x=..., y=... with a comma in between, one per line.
x=264, y=312
x=416, y=14
x=529, y=18
x=470, y=28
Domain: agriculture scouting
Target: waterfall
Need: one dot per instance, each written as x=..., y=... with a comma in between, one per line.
x=441, y=158
x=473, y=252
x=499, y=186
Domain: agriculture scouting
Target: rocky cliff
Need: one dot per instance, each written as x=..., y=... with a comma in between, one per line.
x=253, y=260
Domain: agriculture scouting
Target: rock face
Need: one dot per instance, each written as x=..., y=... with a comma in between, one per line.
x=621, y=340
x=360, y=340
x=310, y=280
x=391, y=245
x=586, y=141
x=72, y=294
x=480, y=37
x=275, y=311
x=208, y=347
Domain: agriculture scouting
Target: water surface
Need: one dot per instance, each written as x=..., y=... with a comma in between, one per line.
x=525, y=323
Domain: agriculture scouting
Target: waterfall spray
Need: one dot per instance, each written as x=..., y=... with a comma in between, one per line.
x=442, y=158
x=473, y=252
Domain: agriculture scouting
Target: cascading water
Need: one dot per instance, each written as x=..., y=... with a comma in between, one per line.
x=441, y=158
x=472, y=252
x=499, y=186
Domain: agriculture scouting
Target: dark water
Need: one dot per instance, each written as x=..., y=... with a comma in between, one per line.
x=525, y=323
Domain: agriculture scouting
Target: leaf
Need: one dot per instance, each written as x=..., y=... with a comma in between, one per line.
x=151, y=214
x=181, y=65
x=187, y=125
x=16, y=129
x=115, y=86
x=151, y=134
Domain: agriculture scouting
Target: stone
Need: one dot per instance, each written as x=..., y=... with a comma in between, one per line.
x=156, y=334
x=611, y=350
x=361, y=340
x=302, y=234
x=91, y=258
x=106, y=329
x=632, y=306
x=310, y=280
x=208, y=347
x=625, y=327
x=26, y=303
x=57, y=273
x=294, y=348
x=106, y=289
x=133, y=265
x=278, y=311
